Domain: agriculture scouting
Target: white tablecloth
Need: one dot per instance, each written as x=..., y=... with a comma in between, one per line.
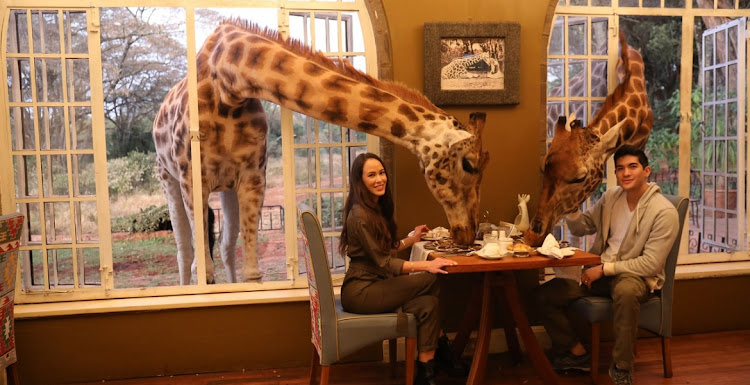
x=418, y=252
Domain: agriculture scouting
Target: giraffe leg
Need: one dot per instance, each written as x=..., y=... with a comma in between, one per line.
x=231, y=209
x=206, y=254
x=250, y=200
x=180, y=224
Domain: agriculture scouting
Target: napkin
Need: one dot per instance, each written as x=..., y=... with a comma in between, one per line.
x=551, y=248
x=438, y=232
x=489, y=250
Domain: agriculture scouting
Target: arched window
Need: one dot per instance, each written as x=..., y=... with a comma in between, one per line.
x=84, y=84
x=696, y=66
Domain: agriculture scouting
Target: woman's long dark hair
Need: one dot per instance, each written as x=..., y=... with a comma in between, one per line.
x=379, y=218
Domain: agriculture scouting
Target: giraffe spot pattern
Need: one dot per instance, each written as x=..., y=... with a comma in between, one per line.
x=406, y=111
x=236, y=50
x=429, y=117
x=282, y=63
x=216, y=55
x=419, y=109
x=256, y=57
x=278, y=93
x=365, y=126
x=338, y=83
x=206, y=94
x=397, y=129
x=300, y=95
x=335, y=111
x=312, y=69
x=377, y=95
x=369, y=112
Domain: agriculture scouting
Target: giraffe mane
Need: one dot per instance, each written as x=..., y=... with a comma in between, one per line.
x=343, y=67
x=619, y=91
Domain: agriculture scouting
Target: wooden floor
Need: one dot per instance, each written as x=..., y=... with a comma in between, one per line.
x=712, y=358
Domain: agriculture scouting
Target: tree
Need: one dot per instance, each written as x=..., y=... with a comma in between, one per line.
x=143, y=57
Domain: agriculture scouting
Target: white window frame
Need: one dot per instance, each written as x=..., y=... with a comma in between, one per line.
x=736, y=262
x=240, y=290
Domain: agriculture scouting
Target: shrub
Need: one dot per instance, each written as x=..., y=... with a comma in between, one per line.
x=152, y=218
x=135, y=171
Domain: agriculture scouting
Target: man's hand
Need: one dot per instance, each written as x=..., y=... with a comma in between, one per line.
x=592, y=274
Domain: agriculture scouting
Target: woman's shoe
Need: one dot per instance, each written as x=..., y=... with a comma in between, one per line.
x=446, y=362
x=426, y=372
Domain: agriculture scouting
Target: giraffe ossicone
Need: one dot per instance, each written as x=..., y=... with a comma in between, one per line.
x=573, y=167
x=240, y=64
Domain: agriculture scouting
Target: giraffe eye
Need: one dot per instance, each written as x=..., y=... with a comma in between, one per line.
x=468, y=166
x=578, y=180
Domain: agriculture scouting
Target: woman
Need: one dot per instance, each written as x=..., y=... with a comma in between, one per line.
x=377, y=281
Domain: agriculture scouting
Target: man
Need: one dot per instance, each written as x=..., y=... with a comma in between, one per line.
x=635, y=228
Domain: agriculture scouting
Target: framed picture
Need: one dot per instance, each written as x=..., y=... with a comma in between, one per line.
x=472, y=63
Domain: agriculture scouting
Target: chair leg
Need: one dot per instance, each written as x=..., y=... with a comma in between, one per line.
x=325, y=372
x=595, y=331
x=12, y=372
x=410, y=358
x=666, y=356
x=393, y=355
x=314, y=367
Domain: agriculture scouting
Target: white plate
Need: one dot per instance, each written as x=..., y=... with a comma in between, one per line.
x=500, y=256
x=432, y=238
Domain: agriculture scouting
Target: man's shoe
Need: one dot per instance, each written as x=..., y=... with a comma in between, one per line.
x=426, y=372
x=570, y=361
x=620, y=376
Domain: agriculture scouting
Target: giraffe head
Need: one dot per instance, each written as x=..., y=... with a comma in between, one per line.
x=452, y=163
x=573, y=168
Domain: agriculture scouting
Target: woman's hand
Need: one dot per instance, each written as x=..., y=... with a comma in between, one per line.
x=417, y=234
x=436, y=265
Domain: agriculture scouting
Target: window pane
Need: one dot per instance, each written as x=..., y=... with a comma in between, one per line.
x=577, y=35
x=304, y=168
x=555, y=77
x=86, y=222
x=26, y=180
x=55, y=175
x=19, y=80
x=91, y=276
x=47, y=38
x=554, y=111
x=599, y=78
x=81, y=135
x=577, y=78
x=556, y=39
x=48, y=80
x=22, y=128
x=57, y=217
x=79, y=89
x=32, y=267
x=33, y=222
x=51, y=128
x=18, y=36
x=599, y=36
x=60, y=267
x=76, y=33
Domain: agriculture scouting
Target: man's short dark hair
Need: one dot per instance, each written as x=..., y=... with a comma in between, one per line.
x=629, y=149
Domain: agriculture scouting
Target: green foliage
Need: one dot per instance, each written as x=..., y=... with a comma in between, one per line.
x=152, y=218
x=133, y=172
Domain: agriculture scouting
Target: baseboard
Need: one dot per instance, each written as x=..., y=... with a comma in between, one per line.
x=497, y=342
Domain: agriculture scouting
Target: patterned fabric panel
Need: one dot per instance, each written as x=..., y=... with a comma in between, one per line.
x=315, y=320
x=10, y=235
x=7, y=329
x=10, y=230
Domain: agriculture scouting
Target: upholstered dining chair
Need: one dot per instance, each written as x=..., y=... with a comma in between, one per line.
x=10, y=240
x=336, y=333
x=656, y=313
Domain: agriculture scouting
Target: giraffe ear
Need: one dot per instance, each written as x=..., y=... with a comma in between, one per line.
x=608, y=141
x=571, y=119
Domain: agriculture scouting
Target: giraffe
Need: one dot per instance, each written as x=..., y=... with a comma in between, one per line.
x=458, y=68
x=238, y=65
x=574, y=164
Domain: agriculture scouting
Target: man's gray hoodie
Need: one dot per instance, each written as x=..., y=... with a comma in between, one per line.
x=649, y=237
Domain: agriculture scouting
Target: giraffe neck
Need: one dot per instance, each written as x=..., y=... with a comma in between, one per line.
x=248, y=63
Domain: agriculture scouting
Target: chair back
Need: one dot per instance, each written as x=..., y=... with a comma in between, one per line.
x=10, y=240
x=664, y=326
x=322, y=300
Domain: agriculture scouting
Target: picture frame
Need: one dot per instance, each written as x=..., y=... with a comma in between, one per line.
x=472, y=63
